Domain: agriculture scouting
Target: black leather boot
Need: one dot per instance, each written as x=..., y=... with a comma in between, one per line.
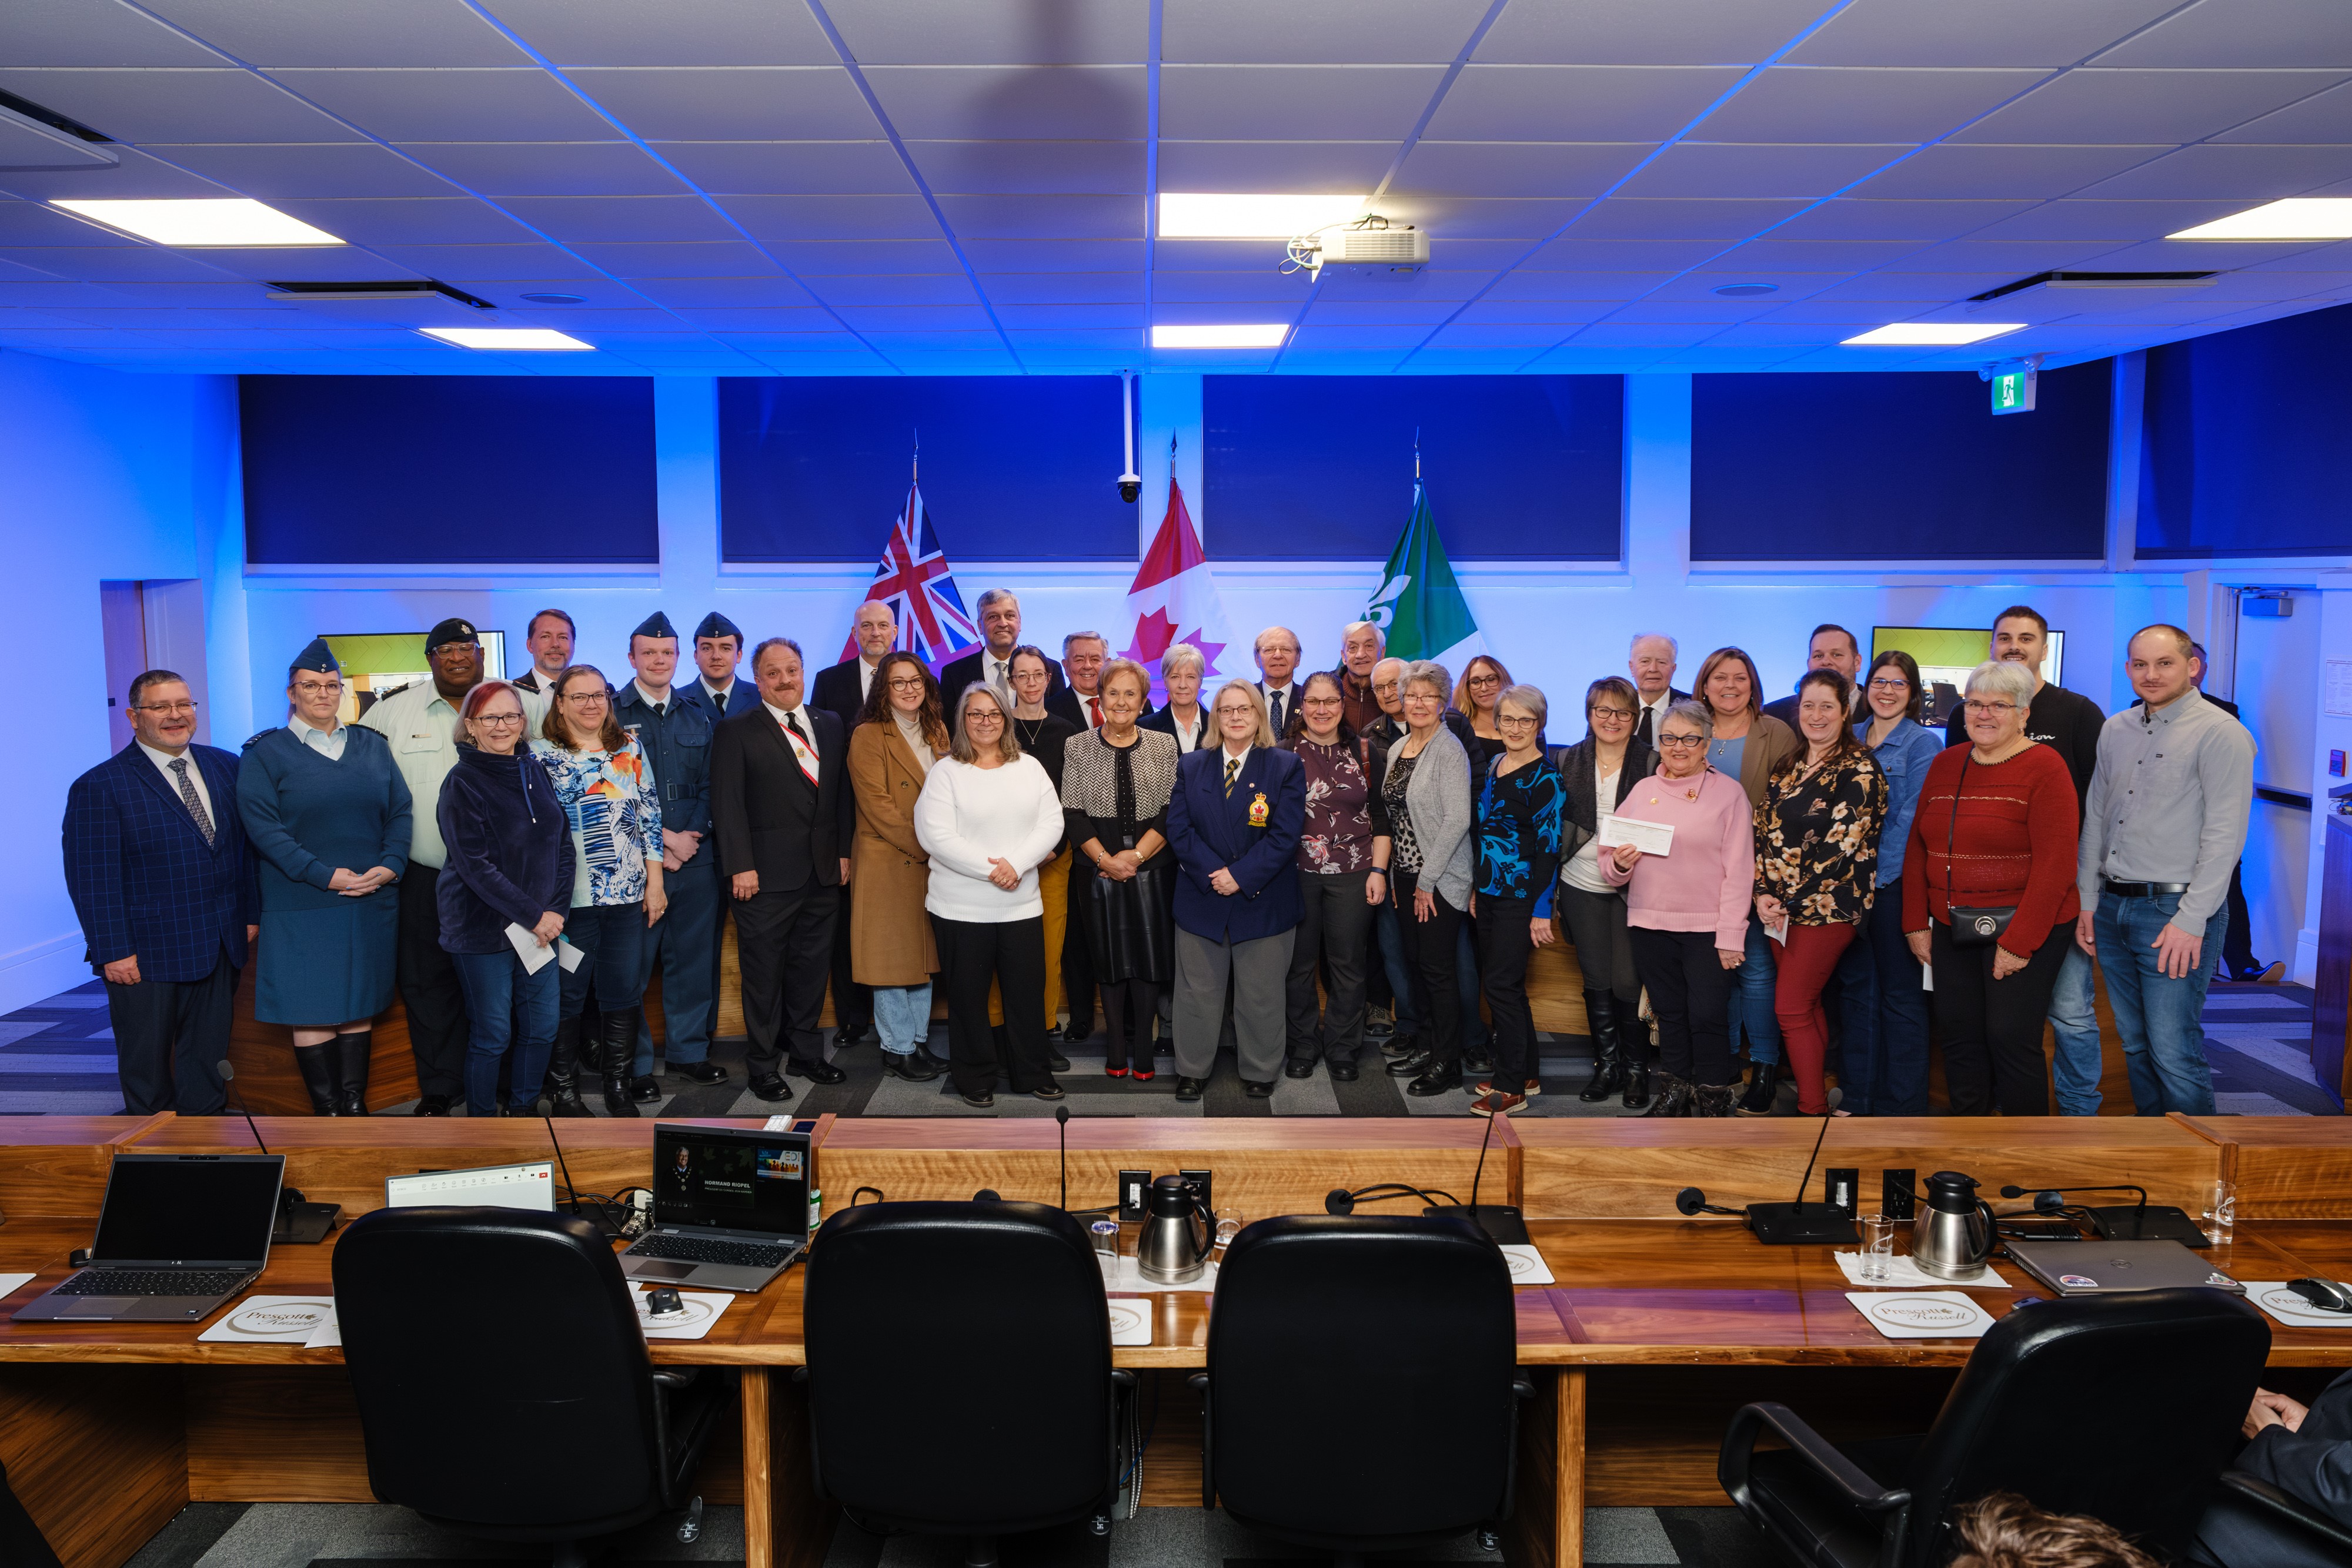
x=620, y=1031
x=1763, y=1087
x=350, y=1067
x=564, y=1072
x=1608, y=1061
x=1674, y=1097
x=318, y=1067
x=1634, y=1045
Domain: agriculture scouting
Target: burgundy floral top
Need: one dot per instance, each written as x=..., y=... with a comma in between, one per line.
x=1339, y=828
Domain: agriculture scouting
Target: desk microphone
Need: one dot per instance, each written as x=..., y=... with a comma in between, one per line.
x=1339, y=1200
x=1690, y=1200
x=229, y=1078
x=1498, y=1221
x=2141, y=1221
x=1801, y=1224
x=1062, y=1119
x=298, y=1223
x=560, y=1165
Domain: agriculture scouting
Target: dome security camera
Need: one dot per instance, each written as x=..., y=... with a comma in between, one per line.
x=1130, y=487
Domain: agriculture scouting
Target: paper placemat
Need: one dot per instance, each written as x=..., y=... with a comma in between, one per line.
x=1921, y=1314
x=702, y=1310
x=1905, y=1275
x=1527, y=1266
x=2275, y=1298
x=1131, y=1322
x=1128, y=1279
x=276, y=1320
x=12, y=1283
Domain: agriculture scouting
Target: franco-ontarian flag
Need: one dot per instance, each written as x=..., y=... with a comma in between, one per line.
x=1418, y=604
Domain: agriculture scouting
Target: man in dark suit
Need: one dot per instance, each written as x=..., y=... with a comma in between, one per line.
x=841, y=690
x=1652, y=658
x=1000, y=630
x=1080, y=702
x=717, y=649
x=2304, y=1452
x=1234, y=821
x=1832, y=648
x=155, y=863
x=780, y=805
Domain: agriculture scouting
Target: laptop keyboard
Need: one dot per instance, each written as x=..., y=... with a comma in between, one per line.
x=688, y=1250
x=154, y=1283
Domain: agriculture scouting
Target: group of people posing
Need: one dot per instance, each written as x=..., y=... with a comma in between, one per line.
x=1296, y=868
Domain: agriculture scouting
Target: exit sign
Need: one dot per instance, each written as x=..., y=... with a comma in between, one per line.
x=2012, y=392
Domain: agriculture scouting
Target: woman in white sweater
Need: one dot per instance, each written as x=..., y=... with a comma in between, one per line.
x=989, y=817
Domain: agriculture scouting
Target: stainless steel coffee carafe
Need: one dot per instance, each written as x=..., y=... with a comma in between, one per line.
x=1953, y=1235
x=1177, y=1234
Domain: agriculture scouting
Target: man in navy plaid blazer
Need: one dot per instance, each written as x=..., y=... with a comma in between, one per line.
x=156, y=864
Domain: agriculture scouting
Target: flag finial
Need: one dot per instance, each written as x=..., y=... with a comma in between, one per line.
x=1416, y=455
x=914, y=463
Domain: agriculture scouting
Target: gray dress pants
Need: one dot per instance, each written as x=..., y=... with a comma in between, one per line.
x=1260, y=972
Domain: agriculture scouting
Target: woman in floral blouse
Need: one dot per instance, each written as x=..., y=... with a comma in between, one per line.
x=614, y=810
x=1520, y=802
x=1343, y=876
x=1816, y=868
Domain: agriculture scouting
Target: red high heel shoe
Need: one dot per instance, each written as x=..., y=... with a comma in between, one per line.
x=1141, y=1074
x=1114, y=1073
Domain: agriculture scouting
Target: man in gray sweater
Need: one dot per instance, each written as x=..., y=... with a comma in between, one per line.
x=2162, y=826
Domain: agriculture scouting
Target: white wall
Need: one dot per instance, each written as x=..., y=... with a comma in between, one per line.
x=102, y=475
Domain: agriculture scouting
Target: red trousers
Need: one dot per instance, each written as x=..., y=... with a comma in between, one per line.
x=1807, y=958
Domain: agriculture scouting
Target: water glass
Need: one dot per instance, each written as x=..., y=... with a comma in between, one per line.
x=1105, y=1235
x=1877, y=1246
x=1229, y=1225
x=2221, y=1212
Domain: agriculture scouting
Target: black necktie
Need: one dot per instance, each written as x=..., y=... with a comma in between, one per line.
x=1274, y=711
x=1649, y=741
x=792, y=723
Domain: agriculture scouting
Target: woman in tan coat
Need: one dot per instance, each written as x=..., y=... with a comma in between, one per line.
x=898, y=738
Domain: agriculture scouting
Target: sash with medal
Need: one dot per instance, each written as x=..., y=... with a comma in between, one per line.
x=801, y=753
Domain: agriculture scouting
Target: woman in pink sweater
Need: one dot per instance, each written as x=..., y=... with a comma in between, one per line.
x=1686, y=910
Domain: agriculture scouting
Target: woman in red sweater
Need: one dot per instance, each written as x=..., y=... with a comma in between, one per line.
x=1994, y=838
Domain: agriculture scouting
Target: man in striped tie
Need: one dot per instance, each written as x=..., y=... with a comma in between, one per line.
x=155, y=863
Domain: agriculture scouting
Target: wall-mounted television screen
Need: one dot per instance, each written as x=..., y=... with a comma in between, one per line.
x=1947, y=654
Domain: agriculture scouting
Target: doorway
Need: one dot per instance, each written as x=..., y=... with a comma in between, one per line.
x=155, y=623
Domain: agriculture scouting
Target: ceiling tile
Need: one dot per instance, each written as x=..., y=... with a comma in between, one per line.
x=1531, y=285
x=2237, y=174
x=458, y=220
x=1317, y=32
x=1032, y=168
x=841, y=258
x=1627, y=219
x=1848, y=219
x=487, y=263
x=902, y=288
x=1269, y=102
x=1576, y=103
x=269, y=33
x=1278, y=294
x=1482, y=217
x=1848, y=103
x=1307, y=166
x=2325, y=118
x=1646, y=32
x=716, y=293
x=2011, y=259
x=1514, y=168
x=1018, y=317
x=33, y=223
x=278, y=171
x=721, y=259
x=732, y=103
x=2115, y=106
x=1060, y=255
x=1956, y=171
x=789, y=168
x=138, y=175
x=76, y=33
x=1559, y=312
x=2119, y=222
x=992, y=32
x=834, y=217
x=2251, y=33
x=1045, y=217
x=175, y=105
x=923, y=319
x=1721, y=312
x=1906, y=286
x=1981, y=33
x=467, y=105
x=547, y=168
x=1577, y=254
x=1328, y=312
x=1495, y=335
x=1063, y=287
x=621, y=218
x=1759, y=169
x=989, y=103
x=673, y=33
x=1434, y=283
x=124, y=263
x=1773, y=253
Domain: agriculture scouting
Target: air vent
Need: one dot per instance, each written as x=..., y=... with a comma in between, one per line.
x=2098, y=280
x=51, y=118
x=31, y=138
x=397, y=290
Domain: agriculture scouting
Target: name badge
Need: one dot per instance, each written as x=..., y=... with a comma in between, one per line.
x=1259, y=812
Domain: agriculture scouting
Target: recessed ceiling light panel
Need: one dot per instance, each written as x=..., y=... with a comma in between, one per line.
x=1243, y=335
x=2298, y=217
x=511, y=337
x=204, y=221
x=1199, y=216
x=1933, y=334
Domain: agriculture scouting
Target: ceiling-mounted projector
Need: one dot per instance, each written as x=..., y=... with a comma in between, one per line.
x=1369, y=246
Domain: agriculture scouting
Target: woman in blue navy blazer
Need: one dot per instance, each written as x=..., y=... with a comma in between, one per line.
x=1234, y=822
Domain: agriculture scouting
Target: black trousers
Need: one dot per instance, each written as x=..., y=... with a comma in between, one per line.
x=439, y=1033
x=1504, y=947
x=1992, y=1029
x=784, y=944
x=1337, y=934
x=1077, y=959
x=1690, y=992
x=852, y=1004
x=2238, y=946
x=1012, y=954
x=170, y=1039
x=1429, y=948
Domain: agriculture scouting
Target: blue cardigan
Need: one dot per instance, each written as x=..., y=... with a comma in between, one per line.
x=509, y=850
x=1209, y=829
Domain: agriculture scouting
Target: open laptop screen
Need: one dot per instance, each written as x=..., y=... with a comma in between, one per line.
x=166, y=1209
x=748, y=1180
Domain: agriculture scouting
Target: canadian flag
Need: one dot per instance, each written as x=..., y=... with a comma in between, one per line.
x=1174, y=599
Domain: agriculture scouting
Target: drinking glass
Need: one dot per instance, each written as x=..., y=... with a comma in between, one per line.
x=1877, y=1246
x=2221, y=1212
x=1229, y=1225
x=1105, y=1235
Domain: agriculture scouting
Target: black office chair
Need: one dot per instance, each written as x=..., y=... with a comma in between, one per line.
x=959, y=1371
x=2124, y=1407
x=2299, y=1534
x=22, y=1545
x=504, y=1387
x=1326, y=1328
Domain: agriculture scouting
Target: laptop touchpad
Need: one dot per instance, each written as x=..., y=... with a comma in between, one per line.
x=653, y=1268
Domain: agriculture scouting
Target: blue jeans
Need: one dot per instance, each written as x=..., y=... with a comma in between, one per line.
x=511, y=1010
x=2159, y=1018
x=1760, y=973
x=1853, y=983
x=2074, y=1019
x=1895, y=1084
x=612, y=942
x=902, y=1016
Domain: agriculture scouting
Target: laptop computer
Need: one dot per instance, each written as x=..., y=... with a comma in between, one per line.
x=531, y=1184
x=2096, y=1268
x=177, y=1236
x=730, y=1207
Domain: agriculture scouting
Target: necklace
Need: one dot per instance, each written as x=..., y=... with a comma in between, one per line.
x=1029, y=736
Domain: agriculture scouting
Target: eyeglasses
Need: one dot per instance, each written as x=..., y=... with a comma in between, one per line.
x=318, y=688
x=1232, y=711
x=977, y=717
x=911, y=683
x=1896, y=684
x=498, y=718
x=1486, y=680
x=1503, y=718
x=1681, y=740
x=1321, y=702
x=585, y=699
x=163, y=707
x=1988, y=710
x=1612, y=712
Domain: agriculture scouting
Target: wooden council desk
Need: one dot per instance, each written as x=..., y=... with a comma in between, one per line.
x=1657, y=1328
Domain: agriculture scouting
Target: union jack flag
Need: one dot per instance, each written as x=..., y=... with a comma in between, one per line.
x=916, y=581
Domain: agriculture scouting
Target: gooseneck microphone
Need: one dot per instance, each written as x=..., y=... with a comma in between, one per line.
x=1801, y=1223
x=560, y=1164
x=2141, y=1221
x=300, y=1223
x=1062, y=1117
x=2013, y=1190
x=228, y=1079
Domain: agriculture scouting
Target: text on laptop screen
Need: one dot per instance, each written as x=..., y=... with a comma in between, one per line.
x=193, y=1210
x=758, y=1182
